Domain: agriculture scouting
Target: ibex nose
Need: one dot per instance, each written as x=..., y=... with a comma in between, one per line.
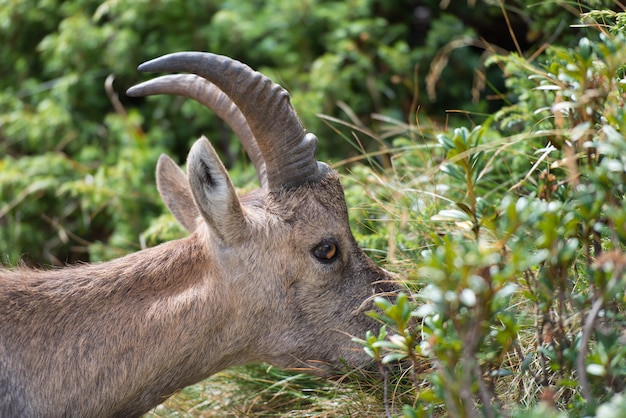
x=388, y=286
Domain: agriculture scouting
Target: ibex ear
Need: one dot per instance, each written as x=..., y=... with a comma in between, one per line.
x=214, y=193
x=174, y=190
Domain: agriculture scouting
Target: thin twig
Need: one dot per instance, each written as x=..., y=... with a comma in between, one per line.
x=383, y=372
x=113, y=97
x=584, y=346
x=449, y=382
x=510, y=28
x=483, y=391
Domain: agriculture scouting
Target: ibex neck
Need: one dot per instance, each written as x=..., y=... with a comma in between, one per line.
x=115, y=331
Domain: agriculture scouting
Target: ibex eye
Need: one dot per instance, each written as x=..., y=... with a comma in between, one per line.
x=326, y=251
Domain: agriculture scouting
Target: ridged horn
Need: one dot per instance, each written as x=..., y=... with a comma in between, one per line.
x=208, y=94
x=288, y=151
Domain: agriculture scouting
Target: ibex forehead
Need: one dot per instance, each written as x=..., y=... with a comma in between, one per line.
x=313, y=198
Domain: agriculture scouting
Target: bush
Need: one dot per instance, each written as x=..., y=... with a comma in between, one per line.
x=518, y=300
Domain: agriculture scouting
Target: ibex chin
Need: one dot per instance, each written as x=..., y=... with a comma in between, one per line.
x=274, y=275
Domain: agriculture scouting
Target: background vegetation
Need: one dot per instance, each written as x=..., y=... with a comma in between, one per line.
x=485, y=158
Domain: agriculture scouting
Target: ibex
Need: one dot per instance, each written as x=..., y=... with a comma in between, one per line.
x=274, y=275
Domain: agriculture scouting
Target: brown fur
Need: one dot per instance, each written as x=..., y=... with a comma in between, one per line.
x=117, y=338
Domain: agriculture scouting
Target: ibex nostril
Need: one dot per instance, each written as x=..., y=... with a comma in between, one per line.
x=274, y=275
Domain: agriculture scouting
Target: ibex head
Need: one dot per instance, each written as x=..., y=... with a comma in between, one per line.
x=285, y=252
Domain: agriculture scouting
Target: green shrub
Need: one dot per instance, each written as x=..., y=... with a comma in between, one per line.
x=519, y=303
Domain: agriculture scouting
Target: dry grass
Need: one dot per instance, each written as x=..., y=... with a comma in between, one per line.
x=263, y=391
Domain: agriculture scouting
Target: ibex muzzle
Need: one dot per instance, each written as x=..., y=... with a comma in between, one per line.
x=274, y=275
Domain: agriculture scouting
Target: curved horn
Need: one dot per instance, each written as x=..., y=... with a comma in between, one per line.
x=289, y=152
x=208, y=94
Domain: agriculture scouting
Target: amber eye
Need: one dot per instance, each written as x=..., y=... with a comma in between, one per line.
x=326, y=251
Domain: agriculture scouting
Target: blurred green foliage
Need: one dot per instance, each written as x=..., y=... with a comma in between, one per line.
x=77, y=150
